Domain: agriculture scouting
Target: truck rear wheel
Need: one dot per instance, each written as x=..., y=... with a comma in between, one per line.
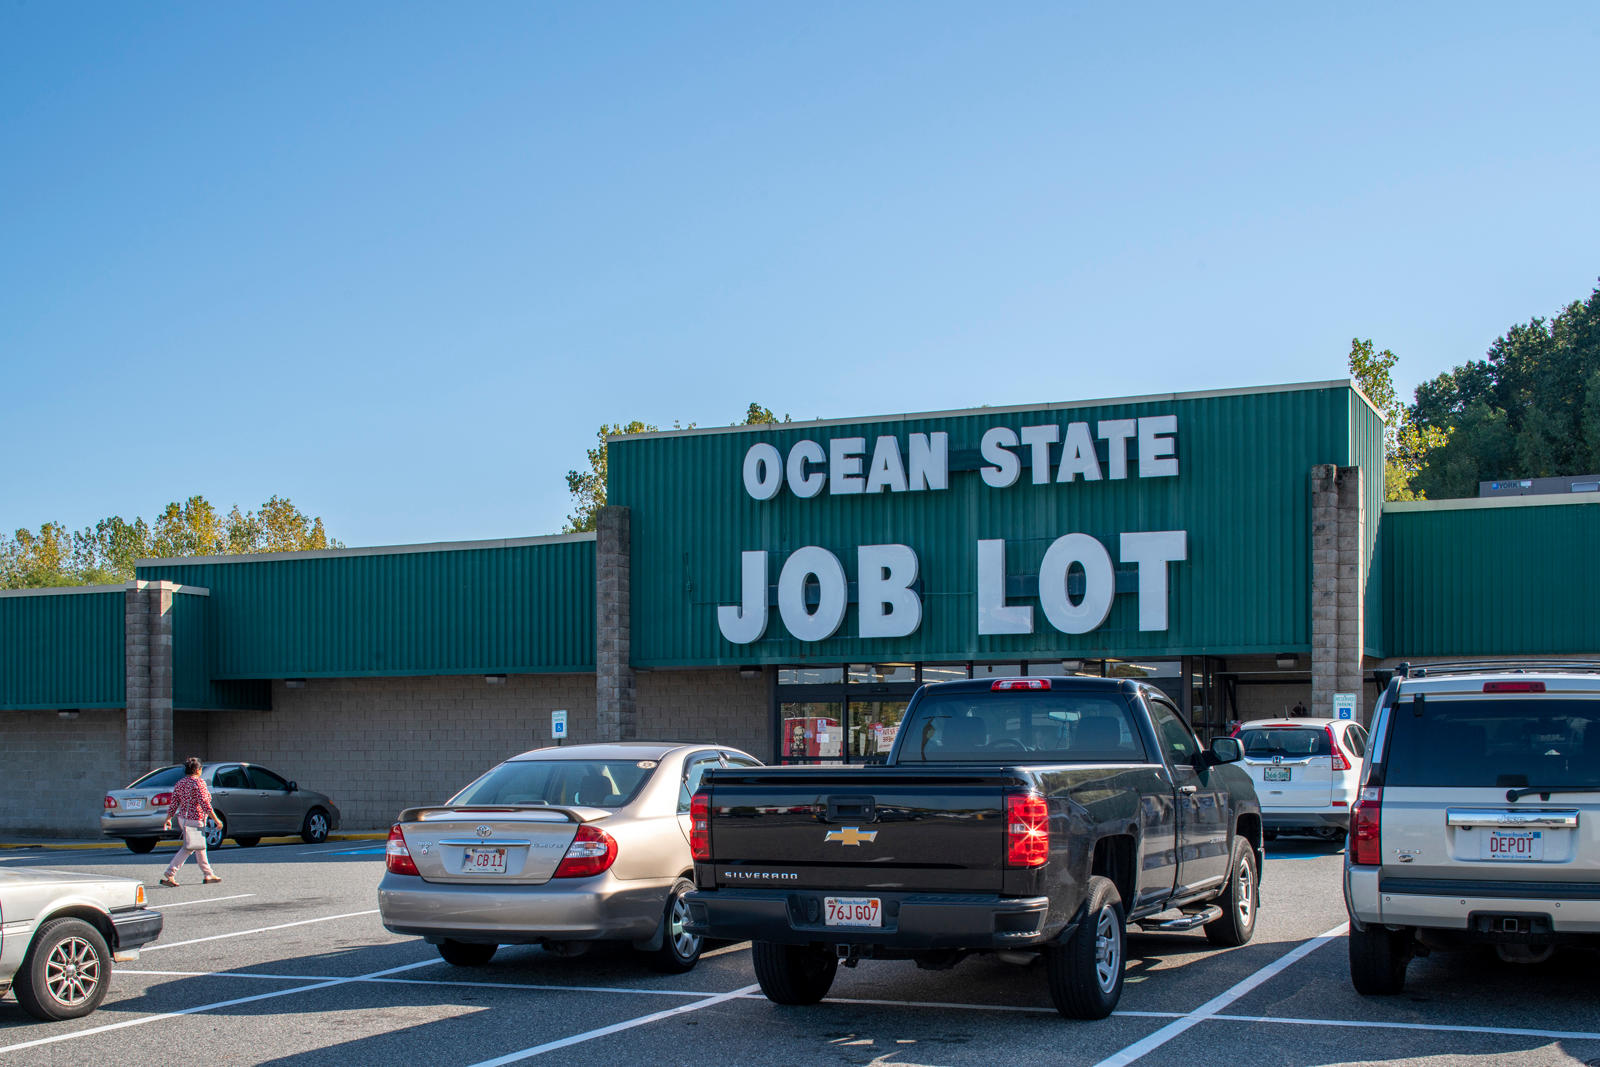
x=1237, y=923
x=793, y=974
x=1085, y=974
x=1378, y=959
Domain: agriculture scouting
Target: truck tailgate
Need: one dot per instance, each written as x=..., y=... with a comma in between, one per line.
x=879, y=828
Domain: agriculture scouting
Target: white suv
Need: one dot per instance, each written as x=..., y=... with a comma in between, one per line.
x=1306, y=773
x=1478, y=818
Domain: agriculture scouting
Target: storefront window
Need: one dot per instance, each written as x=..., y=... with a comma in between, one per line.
x=943, y=672
x=810, y=675
x=873, y=725
x=882, y=673
x=996, y=670
x=811, y=731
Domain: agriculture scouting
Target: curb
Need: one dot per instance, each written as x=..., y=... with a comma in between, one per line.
x=111, y=843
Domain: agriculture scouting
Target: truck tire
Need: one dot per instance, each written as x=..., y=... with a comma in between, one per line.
x=1378, y=959
x=1085, y=974
x=793, y=974
x=1238, y=900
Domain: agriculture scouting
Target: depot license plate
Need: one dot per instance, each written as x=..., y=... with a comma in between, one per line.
x=1275, y=774
x=852, y=911
x=1526, y=845
x=133, y=804
x=484, y=861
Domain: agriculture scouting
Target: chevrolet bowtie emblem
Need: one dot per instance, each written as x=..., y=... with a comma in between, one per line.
x=851, y=835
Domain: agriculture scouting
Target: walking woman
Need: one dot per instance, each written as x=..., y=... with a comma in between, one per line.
x=191, y=806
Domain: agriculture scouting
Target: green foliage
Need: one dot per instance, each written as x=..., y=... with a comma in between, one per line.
x=1406, y=446
x=1530, y=409
x=588, y=487
x=106, y=552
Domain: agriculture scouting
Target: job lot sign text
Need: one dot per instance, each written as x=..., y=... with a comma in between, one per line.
x=888, y=604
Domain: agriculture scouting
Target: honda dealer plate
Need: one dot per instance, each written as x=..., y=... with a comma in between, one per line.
x=1275, y=774
x=484, y=861
x=852, y=911
x=1525, y=845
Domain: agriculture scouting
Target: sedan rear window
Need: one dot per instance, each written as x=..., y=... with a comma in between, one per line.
x=1293, y=743
x=590, y=783
x=994, y=727
x=159, y=779
x=1503, y=742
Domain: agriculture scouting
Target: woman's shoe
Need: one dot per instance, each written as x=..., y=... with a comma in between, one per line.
x=168, y=881
x=210, y=879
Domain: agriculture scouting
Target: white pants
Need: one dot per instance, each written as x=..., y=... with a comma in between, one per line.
x=183, y=853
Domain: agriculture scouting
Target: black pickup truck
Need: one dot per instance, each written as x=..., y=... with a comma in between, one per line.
x=1017, y=816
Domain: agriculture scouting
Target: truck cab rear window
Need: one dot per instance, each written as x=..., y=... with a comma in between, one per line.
x=1501, y=742
x=998, y=727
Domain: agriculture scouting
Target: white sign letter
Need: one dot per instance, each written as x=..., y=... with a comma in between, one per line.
x=887, y=472
x=798, y=569
x=1040, y=438
x=1157, y=449
x=1099, y=586
x=888, y=605
x=1115, y=432
x=1077, y=456
x=997, y=445
x=763, y=471
x=929, y=460
x=748, y=621
x=844, y=464
x=800, y=483
x=994, y=616
x=1152, y=552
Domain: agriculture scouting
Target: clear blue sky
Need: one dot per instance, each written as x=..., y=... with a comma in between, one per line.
x=398, y=262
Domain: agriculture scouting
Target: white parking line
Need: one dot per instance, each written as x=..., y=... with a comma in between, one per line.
x=215, y=1005
x=205, y=900
x=1458, y=1028
x=1211, y=1007
x=261, y=930
x=614, y=1028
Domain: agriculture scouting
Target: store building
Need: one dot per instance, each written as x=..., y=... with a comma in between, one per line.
x=786, y=587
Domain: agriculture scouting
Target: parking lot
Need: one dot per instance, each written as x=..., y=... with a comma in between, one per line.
x=285, y=962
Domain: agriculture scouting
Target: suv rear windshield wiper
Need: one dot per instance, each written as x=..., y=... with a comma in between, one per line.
x=1544, y=792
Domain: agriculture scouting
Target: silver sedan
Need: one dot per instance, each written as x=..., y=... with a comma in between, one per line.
x=251, y=802
x=559, y=847
x=60, y=930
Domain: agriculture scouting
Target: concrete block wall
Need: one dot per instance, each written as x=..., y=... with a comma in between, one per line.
x=613, y=644
x=378, y=745
x=1338, y=521
x=707, y=705
x=54, y=772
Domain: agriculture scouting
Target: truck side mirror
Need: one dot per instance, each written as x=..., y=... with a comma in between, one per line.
x=1225, y=750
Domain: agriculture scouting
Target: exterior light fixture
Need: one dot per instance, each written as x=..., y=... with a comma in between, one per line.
x=1071, y=666
x=749, y=672
x=495, y=679
x=294, y=683
x=1287, y=661
x=67, y=713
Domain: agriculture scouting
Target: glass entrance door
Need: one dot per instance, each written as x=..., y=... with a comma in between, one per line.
x=811, y=731
x=873, y=726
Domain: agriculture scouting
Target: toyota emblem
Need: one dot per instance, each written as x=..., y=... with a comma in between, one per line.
x=485, y=831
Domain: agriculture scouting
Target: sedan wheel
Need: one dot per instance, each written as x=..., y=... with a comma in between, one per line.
x=680, y=949
x=314, y=831
x=65, y=972
x=216, y=831
x=141, y=845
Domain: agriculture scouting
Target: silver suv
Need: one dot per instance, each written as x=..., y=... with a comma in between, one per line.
x=1478, y=819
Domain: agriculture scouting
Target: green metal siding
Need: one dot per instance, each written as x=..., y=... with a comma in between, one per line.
x=1242, y=494
x=62, y=650
x=495, y=610
x=1367, y=451
x=1492, y=580
x=192, y=687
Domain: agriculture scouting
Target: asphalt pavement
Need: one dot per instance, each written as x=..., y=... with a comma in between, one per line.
x=286, y=963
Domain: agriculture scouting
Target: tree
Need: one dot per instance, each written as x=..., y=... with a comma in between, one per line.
x=1406, y=446
x=588, y=487
x=1530, y=409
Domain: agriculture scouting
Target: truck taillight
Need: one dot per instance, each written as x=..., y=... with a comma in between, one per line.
x=161, y=800
x=700, y=827
x=1020, y=683
x=1339, y=762
x=111, y=801
x=396, y=856
x=592, y=851
x=1027, y=830
x=1366, y=842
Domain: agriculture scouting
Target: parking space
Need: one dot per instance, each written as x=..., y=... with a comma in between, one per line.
x=285, y=962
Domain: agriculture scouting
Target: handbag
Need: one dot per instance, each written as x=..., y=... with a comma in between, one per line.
x=194, y=839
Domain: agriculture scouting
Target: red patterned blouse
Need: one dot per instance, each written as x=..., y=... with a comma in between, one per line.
x=190, y=800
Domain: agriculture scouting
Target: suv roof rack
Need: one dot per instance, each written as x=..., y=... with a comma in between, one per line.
x=1428, y=670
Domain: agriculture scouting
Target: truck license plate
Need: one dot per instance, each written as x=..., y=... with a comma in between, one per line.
x=852, y=911
x=1275, y=774
x=484, y=861
x=1527, y=845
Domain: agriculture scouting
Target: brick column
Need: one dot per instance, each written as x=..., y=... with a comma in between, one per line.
x=616, y=694
x=147, y=674
x=1338, y=606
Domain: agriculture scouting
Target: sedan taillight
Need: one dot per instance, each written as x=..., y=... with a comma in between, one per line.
x=111, y=801
x=161, y=800
x=700, y=827
x=592, y=851
x=396, y=856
